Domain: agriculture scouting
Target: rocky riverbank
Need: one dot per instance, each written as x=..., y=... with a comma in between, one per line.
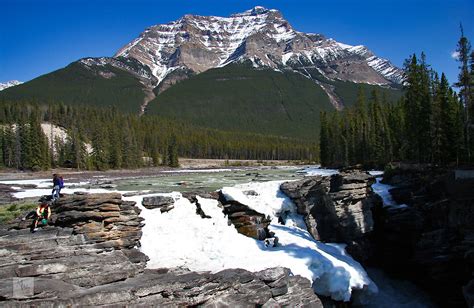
x=88, y=255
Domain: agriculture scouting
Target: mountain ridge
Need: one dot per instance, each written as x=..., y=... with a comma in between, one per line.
x=261, y=35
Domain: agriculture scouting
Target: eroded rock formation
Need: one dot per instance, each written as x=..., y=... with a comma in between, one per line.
x=336, y=208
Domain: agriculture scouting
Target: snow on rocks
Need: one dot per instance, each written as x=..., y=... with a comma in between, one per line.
x=181, y=238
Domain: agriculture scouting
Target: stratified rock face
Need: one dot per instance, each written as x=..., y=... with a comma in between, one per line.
x=336, y=208
x=246, y=220
x=86, y=256
x=90, y=242
x=262, y=36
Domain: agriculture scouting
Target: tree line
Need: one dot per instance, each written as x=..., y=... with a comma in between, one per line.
x=104, y=138
x=430, y=124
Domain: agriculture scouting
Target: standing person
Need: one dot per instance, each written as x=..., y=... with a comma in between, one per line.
x=56, y=187
x=43, y=213
x=61, y=184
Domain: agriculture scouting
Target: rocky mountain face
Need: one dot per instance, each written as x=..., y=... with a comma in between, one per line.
x=260, y=35
x=194, y=44
x=8, y=84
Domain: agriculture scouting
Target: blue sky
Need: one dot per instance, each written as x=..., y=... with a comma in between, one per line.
x=37, y=37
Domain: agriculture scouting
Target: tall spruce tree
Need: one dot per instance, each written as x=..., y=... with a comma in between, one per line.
x=323, y=140
x=465, y=90
x=173, y=152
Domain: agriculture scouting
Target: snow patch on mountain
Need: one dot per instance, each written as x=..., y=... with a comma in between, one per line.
x=8, y=84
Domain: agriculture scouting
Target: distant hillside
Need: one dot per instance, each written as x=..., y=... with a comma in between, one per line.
x=76, y=84
x=240, y=98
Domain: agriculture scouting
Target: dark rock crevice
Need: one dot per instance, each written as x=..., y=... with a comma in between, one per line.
x=432, y=240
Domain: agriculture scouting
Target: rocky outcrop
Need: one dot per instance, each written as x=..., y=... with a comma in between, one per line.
x=246, y=220
x=87, y=235
x=432, y=240
x=336, y=208
x=87, y=256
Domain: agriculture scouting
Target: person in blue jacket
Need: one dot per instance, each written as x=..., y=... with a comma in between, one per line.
x=58, y=184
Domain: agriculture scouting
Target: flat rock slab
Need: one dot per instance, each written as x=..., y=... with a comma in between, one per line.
x=229, y=288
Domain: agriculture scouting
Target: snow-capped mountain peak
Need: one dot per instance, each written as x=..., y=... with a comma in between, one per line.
x=258, y=10
x=262, y=36
x=8, y=84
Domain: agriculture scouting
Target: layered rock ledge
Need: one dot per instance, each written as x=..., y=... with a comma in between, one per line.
x=88, y=256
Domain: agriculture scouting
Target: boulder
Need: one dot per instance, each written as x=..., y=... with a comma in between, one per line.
x=158, y=202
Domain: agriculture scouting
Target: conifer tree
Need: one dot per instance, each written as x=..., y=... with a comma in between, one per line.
x=323, y=140
x=100, y=149
x=76, y=150
x=173, y=152
x=8, y=144
x=465, y=89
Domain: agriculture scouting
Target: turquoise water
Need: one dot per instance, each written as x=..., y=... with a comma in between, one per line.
x=206, y=181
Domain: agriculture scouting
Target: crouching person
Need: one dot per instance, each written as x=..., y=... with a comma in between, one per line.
x=41, y=215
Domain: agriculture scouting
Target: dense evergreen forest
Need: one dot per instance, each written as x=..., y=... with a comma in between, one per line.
x=431, y=123
x=118, y=140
